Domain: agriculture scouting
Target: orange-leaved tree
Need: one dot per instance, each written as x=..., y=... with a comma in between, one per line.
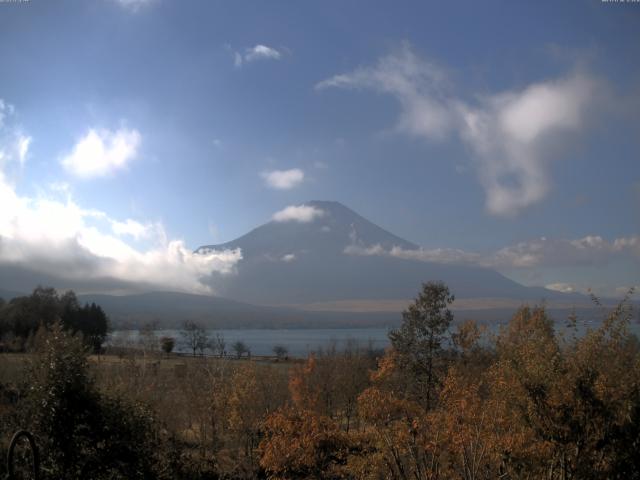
x=301, y=442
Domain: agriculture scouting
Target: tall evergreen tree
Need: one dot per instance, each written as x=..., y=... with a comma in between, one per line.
x=419, y=340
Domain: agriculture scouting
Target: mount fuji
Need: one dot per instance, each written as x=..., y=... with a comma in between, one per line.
x=325, y=256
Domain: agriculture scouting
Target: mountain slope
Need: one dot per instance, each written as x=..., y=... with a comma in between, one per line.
x=171, y=309
x=329, y=234
x=7, y=295
x=305, y=262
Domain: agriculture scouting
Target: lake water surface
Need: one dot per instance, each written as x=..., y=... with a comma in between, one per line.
x=298, y=342
x=301, y=342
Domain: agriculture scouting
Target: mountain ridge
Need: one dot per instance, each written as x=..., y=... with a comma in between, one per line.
x=309, y=261
x=301, y=274
x=340, y=216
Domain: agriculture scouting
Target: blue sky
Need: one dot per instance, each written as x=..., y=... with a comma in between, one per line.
x=474, y=129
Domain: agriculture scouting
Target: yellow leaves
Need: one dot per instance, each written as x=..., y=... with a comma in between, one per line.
x=303, y=393
x=467, y=335
x=402, y=442
x=242, y=398
x=536, y=408
x=562, y=403
x=387, y=365
x=302, y=444
x=529, y=329
x=469, y=424
x=253, y=394
x=381, y=407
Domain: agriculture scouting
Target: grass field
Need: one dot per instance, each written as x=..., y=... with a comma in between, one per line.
x=13, y=366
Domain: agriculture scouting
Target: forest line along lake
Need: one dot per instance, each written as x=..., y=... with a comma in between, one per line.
x=300, y=342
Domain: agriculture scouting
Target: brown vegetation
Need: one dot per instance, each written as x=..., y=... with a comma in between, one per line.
x=526, y=403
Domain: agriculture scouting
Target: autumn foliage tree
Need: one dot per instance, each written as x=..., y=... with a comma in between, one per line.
x=400, y=403
x=255, y=393
x=443, y=402
x=538, y=405
x=578, y=399
x=300, y=442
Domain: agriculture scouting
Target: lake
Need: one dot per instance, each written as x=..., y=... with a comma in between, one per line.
x=298, y=342
x=301, y=342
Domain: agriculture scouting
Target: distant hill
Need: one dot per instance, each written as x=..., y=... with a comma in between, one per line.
x=7, y=295
x=301, y=274
x=298, y=263
x=171, y=309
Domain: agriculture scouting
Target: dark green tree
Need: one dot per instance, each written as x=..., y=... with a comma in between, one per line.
x=90, y=320
x=167, y=344
x=23, y=315
x=96, y=326
x=418, y=341
x=4, y=327
x=83, y=434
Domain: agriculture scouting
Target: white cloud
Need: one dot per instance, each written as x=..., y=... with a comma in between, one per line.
x=101, y=152
x=509, y=133
x=134, y=5
x=627, y=243
x=61, y=239
x=6, y=109
x=259, y=52
x=237, y=59
x=289, y=257
x=588, y=250
x=133, y=229
x=355, y=249
x=14, y=144
x=51, y=236
x=14, y=147
x=437, y=255
x=58, y=239
x=283, y=179
x=561, y=287
x=300, y=213
x=23, y=143
x=419, y=86
x=60, y=187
